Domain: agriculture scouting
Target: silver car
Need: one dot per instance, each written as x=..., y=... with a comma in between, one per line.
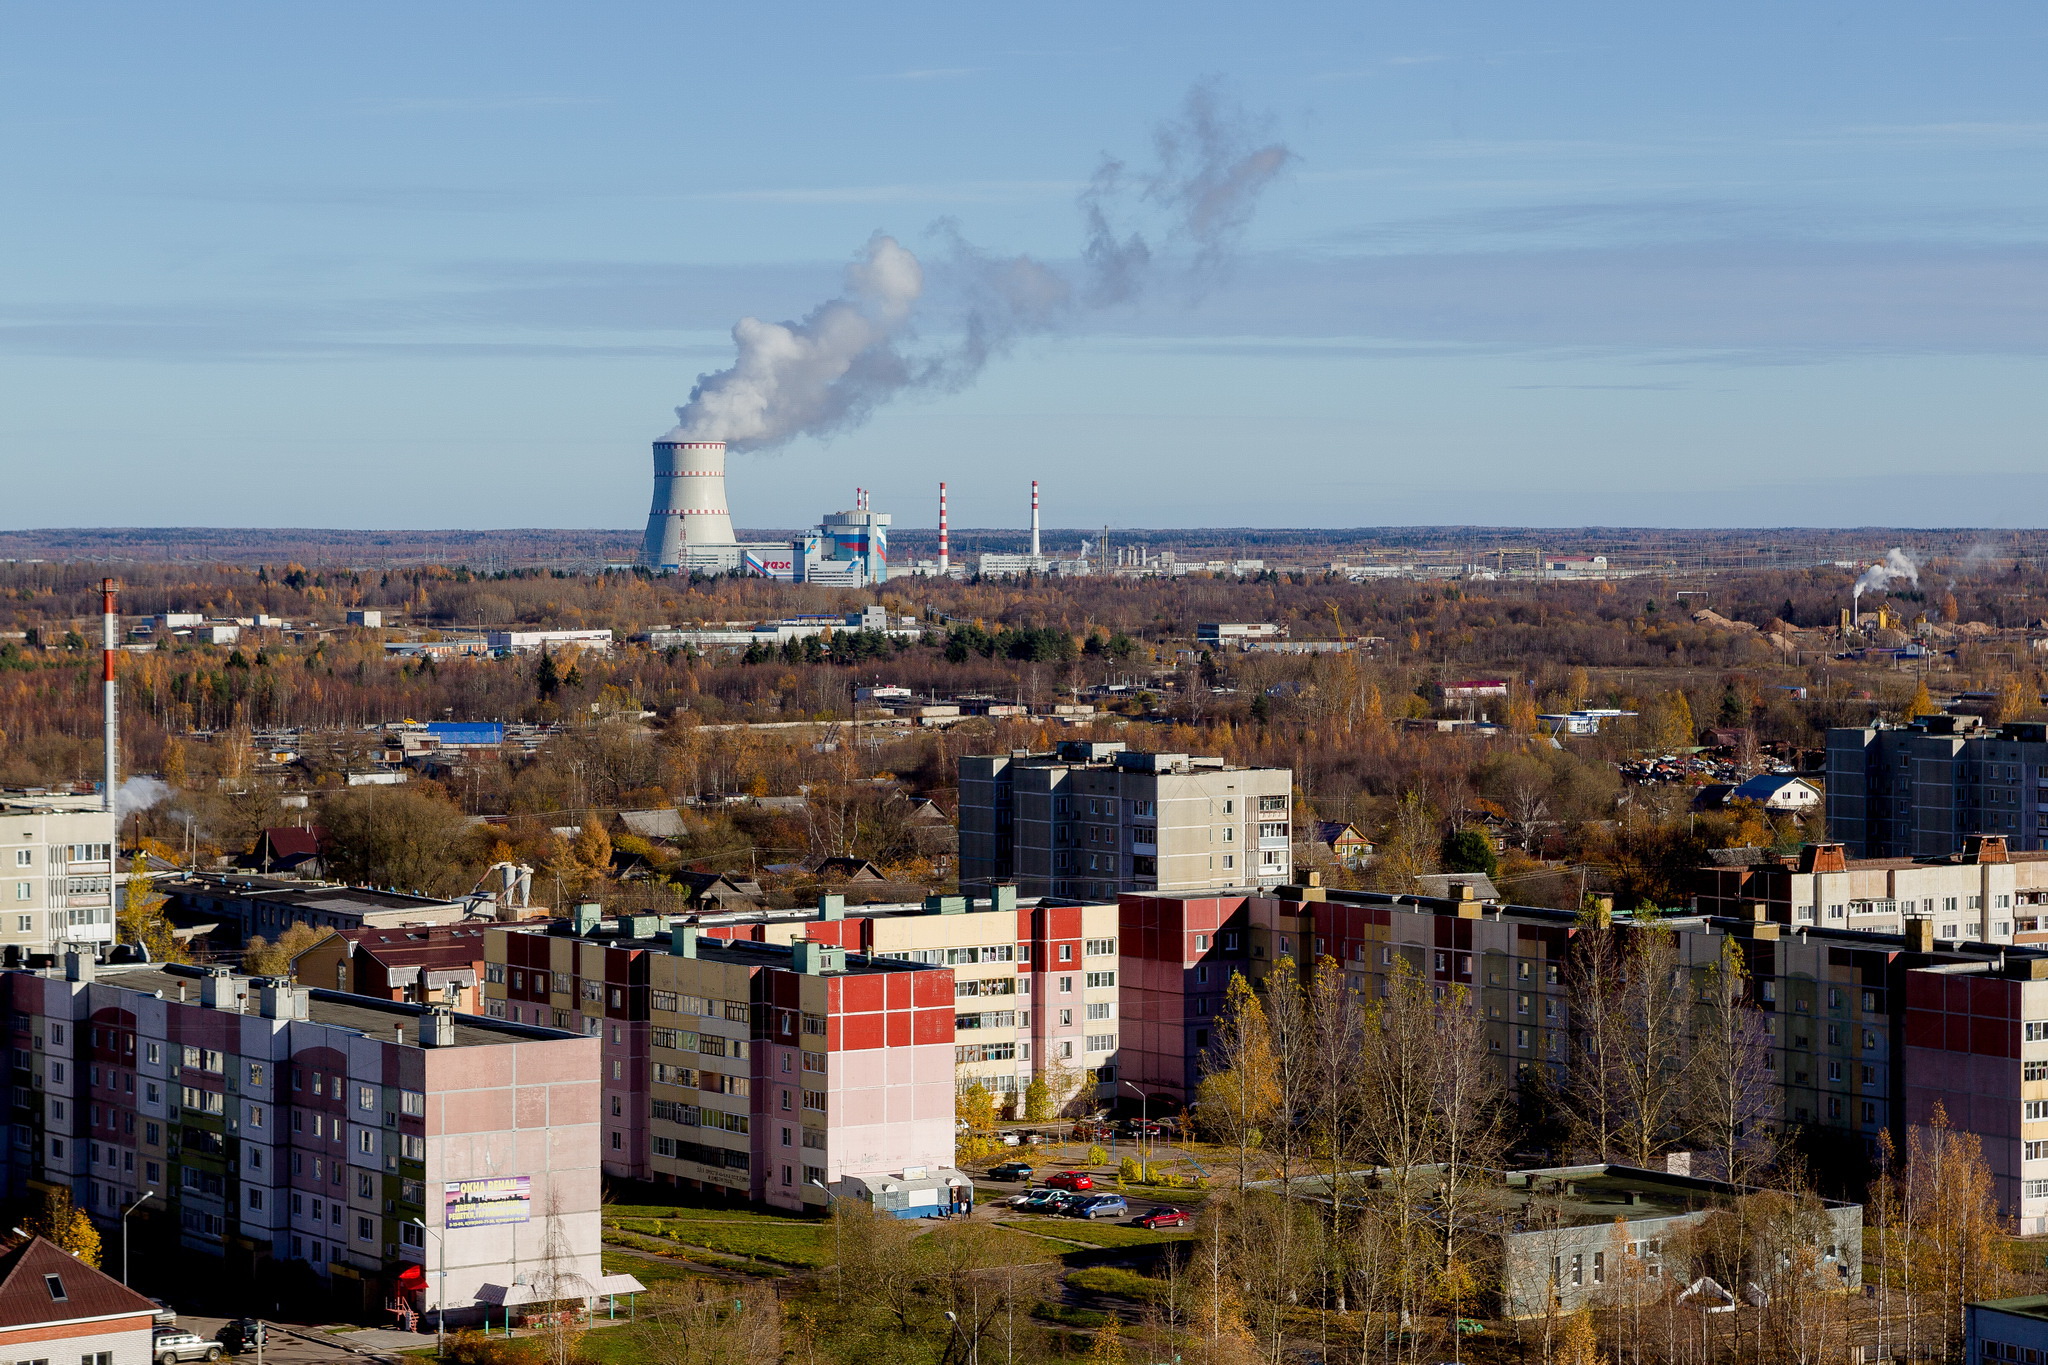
x=170, y=1348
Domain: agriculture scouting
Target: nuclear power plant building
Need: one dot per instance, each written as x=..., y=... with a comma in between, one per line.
x=689, y=527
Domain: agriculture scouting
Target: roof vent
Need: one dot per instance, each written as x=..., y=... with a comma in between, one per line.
x=437, y=1027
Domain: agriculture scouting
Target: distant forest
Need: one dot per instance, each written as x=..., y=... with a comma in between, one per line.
x=1702, y=549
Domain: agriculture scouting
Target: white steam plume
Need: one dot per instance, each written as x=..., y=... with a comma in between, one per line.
x=1895, y=564
x=138, y=793
x=853, y=352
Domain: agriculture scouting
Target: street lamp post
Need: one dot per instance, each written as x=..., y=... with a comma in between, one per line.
x=973, y=1343
x=440, y=1289
x=1144, y=1117
x=145, y=1197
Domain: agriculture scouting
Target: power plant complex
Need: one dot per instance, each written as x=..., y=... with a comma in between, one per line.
x=689, y=530
x=689, y=527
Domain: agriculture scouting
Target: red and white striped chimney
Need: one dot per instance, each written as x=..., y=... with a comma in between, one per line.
x=109, y=628
x=1034, y=518
x=945, y=558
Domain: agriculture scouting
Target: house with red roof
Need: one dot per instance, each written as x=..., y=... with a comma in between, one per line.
x=54, y=1306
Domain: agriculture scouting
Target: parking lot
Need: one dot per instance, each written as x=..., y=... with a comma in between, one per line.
x=307, y=1344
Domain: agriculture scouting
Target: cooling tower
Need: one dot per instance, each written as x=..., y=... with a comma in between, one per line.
x=689, y=500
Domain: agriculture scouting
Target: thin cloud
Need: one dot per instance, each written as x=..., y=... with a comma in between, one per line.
x=971, y=191
x=474, y=104
x=931, y=73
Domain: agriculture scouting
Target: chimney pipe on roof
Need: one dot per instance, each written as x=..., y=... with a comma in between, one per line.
x=112, y=740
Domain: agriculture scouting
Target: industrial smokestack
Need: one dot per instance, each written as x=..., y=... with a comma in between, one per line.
x=689, y=500
x=945, y=558
x=1034, y=518
x=109, y=627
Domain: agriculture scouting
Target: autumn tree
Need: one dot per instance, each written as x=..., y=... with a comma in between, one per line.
x=1239, y=1095
x=1735, y=1098
x=400, y=837
x=261, y=957
x=141, y=919
x=59, y=1220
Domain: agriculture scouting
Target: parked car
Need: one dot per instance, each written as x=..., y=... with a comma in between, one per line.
x=1038, y=1201
x=1071, y=1180
x=1099, y=1206
x=1010, y=1170
x=169, y=1348
x=1164, y=1218
x=165, y=1315
x=243, y=1334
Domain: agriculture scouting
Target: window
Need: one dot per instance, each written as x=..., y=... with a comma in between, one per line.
x=1098, y=980
x=2036, y=1109
x=412, y=1102
x=366, y=1231
x=55, y=1284
x=814, y=1175
x=24, y=857
x=256, y=1075
x=2037, y=1032
x=814, y=1139
x=814, y=1024
x=494, y=973
x=1106, y=947
x=814, y=1099
x=1100, y=1010
x=2037, y=1151
x=814, y=1061
x=2034, y=1189
x=1066, y=985
x=1102, y=1042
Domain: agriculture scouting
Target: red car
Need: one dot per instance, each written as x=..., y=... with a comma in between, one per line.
x=1164, y=1218
x=1071, y=1180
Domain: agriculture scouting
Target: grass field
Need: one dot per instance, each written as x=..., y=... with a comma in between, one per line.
x=799, y=1243
x=1089, y=1232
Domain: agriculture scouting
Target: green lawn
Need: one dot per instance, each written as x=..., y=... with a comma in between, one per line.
x=1091, y=1232
x=735, y=1231
x=1109, y=1279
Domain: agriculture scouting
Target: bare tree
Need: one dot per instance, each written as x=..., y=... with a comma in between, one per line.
x=1735, y=1099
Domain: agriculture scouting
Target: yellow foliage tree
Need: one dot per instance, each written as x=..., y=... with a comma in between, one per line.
x=141, y=919
x=261, y=957
x=1109, y=1344
x=1922, y=703
x=1240, y=1091
x=1581, y=1343
x=64, y=1223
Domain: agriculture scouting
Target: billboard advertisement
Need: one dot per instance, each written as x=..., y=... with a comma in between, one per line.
x=488, y=1203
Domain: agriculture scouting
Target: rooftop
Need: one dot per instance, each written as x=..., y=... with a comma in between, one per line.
x=739, y=952
x=2025, y=1306
x=313, y=895
x=364, y=1014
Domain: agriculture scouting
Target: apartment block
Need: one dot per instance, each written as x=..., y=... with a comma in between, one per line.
x=1035, y=987
x=1093, y=820
x=57, y=876
x=1867, y=1031
x=278, y=1123
x=768, y=1071
x=1982, y=892
x=1920, y=790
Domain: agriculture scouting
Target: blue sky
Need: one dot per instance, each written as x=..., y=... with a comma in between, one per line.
x=1573, y=264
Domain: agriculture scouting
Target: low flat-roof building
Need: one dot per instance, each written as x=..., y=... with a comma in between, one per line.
x=425, y=964
x=2002, y=1331
x=246, y=905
